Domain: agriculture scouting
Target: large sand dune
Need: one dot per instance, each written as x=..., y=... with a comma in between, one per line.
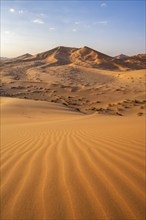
x=58, y=164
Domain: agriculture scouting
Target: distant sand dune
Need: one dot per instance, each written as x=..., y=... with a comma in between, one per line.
x=57, y=164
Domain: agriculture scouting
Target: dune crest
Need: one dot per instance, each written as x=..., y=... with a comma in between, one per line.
x=86, y=57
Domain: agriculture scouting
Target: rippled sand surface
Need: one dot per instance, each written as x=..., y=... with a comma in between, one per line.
x=57, y=164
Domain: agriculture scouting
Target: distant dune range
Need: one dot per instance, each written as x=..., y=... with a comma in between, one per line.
x=60, y=164
x=86, y=57
x=82, y=79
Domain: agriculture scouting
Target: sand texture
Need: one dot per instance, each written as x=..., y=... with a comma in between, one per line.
x=61, y=164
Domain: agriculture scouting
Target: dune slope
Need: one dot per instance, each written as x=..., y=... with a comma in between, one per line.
x=56, y=164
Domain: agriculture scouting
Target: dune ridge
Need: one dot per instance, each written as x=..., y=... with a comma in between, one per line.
x=75, y=167
x=85, y=56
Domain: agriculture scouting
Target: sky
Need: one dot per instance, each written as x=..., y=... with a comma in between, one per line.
x=111, y=27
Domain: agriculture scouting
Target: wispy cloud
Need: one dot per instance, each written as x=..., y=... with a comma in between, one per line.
x=102, y=22
x=52, y=29
x=43, y=15
x=77, y=22
x=9, y=33
x=103, y=5
x=20, y=12
x=74, y=30
x=38, y=21
x=12, y=10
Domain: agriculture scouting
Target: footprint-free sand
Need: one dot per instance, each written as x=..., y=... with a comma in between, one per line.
x=59, y=164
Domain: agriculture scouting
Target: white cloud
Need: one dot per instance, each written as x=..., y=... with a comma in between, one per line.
x=77, y=22
x=20, y=11
x=103, y=4
x=38, y=21
x=9, y=33
x=102, y=22
x=12, y=10
x=74, y=30
x=43, y=15
x=52, y=29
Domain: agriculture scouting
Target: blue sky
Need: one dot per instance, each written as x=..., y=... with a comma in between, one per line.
x=112, y=27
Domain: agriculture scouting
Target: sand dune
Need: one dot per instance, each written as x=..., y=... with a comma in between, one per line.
x=58, y=164
x=70, y=154
x=80, y=88
x=86, y=57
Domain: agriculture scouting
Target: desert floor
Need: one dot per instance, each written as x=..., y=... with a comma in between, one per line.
x=61, y=164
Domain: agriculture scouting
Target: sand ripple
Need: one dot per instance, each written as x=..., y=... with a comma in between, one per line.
x=73, y=169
